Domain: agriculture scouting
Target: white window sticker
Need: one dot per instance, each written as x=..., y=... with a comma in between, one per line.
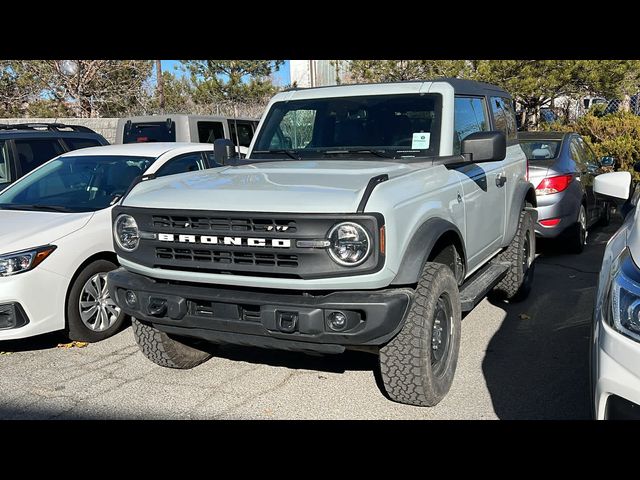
x=420, y=141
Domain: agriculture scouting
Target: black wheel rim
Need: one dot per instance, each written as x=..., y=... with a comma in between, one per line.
x=441, y=334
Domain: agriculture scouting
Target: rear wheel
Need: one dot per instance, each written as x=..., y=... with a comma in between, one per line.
x=520, y=254
x=578, y=233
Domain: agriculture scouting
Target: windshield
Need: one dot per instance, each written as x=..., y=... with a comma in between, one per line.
x=541, y=149
x=149, y=132
x=391, y=126
x=75, y=184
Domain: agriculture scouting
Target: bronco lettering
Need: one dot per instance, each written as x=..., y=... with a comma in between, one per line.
x=214, y=240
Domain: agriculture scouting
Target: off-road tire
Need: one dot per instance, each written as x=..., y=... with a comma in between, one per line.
x=164, y=350
x=407, y=373
x=516, y=285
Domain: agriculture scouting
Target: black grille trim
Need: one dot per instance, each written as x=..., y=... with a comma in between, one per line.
x=236, y=224
x=227, y=257
x=243, y=259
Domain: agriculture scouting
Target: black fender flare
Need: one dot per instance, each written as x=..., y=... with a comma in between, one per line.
x=420, y=247
x=524, y=193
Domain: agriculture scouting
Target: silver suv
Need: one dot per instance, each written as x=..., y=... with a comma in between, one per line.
x=187, y=128
x=365, y=217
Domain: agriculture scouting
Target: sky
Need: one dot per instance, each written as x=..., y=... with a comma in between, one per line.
x=282, y=75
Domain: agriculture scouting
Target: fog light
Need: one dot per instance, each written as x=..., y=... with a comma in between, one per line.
x=131, y=298
x=337, y=321
x=12, y=316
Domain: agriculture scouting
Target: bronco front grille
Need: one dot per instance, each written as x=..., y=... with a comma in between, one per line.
x=228, y=257
x=224, y=224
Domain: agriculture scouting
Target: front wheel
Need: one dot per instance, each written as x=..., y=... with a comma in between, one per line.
x=164, y=350
x=520, y=255
x=92, y=315
x=417, y=366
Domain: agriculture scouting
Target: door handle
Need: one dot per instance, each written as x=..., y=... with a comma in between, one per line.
x=501, y=179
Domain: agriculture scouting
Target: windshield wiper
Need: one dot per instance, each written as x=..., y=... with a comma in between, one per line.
x=46, y=208
x=291, y=153
x=377, y=153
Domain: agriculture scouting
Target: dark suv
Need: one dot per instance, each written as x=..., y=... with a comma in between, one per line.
x=26, y=146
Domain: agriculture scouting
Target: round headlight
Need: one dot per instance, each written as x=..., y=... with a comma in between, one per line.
x=350, y=244
x=126, y=233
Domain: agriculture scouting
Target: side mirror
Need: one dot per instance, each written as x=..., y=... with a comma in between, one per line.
x=223, y=150
x=614, y=185
x=484, y=147
x=607, y=162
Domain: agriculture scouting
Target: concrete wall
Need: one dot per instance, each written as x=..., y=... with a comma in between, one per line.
x=104, y=126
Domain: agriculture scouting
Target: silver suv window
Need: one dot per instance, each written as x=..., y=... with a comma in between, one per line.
x=470, y=116
x=387, y=125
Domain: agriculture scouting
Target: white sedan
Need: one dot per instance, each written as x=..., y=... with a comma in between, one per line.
x=56, y=245
x=615, y=340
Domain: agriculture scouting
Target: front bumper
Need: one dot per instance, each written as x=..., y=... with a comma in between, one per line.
x=292, y=321
x=40, y=295
x=617, y=375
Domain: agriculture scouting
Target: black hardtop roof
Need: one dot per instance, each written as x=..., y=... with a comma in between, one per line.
x=543, y=135
x=460, y=85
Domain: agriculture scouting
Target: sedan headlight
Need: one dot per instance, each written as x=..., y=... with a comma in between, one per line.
x=126, y=233
x=624, y=300
x=23, y=261
x=350, y=244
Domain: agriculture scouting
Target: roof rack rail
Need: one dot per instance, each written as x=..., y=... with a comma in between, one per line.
x=56, y=127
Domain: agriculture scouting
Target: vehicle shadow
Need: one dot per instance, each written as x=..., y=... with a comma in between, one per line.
x=536, y=364
x=39, y=342
x=339, y=363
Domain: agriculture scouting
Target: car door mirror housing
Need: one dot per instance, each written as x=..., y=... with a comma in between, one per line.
x=484, y=147
x=223, y=150
x=613, y=186
x=607, y=162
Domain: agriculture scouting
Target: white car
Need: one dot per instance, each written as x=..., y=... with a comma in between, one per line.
x=615, y=341
x=56, y=245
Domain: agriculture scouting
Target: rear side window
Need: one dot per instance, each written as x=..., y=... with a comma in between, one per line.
x=149, y=132
x=589, y=156
x=241, y=133
x=189, y=162
x=470, y=117
x=210, y=131
x=504, y=116
x=34, y=152
x=77, y=143
x=577, y=154
x=5, y=169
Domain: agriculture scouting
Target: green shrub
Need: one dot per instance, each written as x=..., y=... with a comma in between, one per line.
x=615, y=135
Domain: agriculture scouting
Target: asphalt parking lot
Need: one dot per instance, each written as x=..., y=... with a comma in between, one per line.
x=521, y=361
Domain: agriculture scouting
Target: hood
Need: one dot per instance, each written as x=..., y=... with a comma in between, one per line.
x=20, y=230
x=324, y=186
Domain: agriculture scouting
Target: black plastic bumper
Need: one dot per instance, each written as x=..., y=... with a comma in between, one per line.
x=255, y=317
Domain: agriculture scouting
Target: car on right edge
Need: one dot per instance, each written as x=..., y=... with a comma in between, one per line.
x=615, y=335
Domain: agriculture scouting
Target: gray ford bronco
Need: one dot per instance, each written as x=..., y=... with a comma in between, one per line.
x=365, y=217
